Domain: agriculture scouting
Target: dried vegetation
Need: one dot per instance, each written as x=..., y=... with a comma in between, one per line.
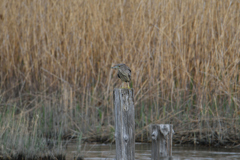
x=56, y=58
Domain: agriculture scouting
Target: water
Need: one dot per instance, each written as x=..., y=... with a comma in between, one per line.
x=143, y=152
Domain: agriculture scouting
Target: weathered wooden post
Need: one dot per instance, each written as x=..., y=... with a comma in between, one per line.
x=162, y=141
x=124, y=124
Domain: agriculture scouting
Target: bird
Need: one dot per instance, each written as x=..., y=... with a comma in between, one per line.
x=124, y=73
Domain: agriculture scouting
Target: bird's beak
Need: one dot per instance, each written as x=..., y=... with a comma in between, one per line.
x=114, y=67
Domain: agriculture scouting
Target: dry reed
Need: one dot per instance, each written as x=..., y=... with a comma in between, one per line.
x=184, y=55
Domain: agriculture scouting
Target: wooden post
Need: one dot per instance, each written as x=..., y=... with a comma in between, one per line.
x=124, y=124
x=162, y=141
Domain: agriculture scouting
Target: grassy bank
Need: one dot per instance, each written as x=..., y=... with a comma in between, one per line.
x=22, y=137
x=55, y=58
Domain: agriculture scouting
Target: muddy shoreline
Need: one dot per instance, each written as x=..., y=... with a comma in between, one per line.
x=179, y=139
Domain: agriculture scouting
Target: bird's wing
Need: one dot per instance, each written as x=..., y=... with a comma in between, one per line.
x=126, y=71
x=129, y=74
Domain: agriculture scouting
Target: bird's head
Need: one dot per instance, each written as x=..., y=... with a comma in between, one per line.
x=117, y=66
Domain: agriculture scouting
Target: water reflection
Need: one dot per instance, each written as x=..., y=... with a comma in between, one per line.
x=143, y=152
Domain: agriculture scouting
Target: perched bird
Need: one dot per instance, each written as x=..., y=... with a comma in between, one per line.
x=124, y=73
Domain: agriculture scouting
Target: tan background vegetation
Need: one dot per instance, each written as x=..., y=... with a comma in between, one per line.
x=56, y=57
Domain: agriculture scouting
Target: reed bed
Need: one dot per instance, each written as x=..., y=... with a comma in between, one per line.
x=56, y=56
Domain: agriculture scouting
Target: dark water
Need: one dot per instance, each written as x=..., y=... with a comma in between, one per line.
x=143, y=152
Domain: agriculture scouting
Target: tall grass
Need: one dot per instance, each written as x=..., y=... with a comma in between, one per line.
x=184, y=56
x=21, y=137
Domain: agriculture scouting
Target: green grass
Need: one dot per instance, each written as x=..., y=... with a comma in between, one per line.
x=23, y=135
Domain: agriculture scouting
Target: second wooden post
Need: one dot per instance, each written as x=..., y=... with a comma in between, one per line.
x=124, y=124
x=162, y=141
